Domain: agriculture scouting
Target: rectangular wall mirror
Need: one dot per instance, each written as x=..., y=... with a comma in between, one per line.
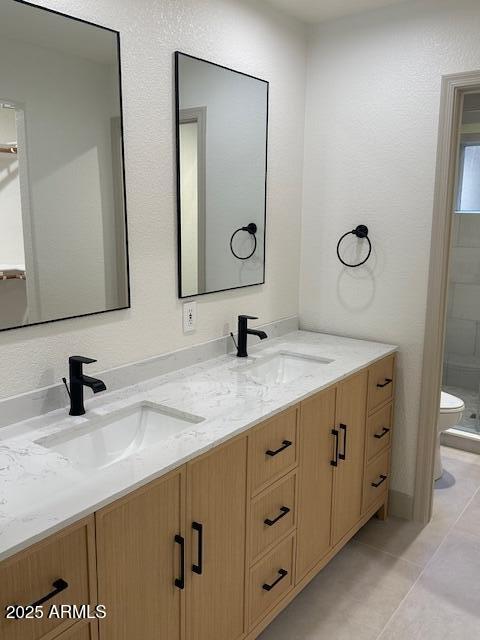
x=222, y=124
x=63, y=241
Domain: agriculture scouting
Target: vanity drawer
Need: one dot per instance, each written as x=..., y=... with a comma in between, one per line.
x=379, y=431
x=80, y=631
x=380, y=382
x=33, y=574
x=377, y=476
x=272, y=449
x=272, y=515
x=271, y=579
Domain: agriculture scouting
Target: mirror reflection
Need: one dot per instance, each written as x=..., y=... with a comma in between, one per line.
x=222, y=120
x=62, y=213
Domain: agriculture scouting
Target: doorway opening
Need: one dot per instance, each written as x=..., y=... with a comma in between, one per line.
x=451, y=381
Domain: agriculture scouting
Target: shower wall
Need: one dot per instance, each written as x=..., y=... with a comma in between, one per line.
x=462, y=346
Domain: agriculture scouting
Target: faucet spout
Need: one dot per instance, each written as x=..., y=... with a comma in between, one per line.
x=260, y=334
x=95, y=384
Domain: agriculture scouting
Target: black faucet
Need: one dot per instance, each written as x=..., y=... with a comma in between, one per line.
x=243, y=332
x=77, y=381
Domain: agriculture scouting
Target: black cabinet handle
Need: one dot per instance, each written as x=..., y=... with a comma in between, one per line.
x=281, y=575
x=385, y=430
x=58, y=586
x=180, y=582
x=384, y=384
x=285, y=445
x=334, y=462
x=198, y=568
x=284, y=511
x=381, y=481
x=343, y=456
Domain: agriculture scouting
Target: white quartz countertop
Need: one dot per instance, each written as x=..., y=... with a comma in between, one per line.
x=42, y=491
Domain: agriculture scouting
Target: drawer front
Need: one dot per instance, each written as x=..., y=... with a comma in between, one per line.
x=80, y=631
x=272, y=515
x=272, y=449
x=379, y=431
x=35, y=573
x=377, y=478
x=380, y=382
x=270, y=580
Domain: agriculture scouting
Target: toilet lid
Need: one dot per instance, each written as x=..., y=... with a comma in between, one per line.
x=450, y=403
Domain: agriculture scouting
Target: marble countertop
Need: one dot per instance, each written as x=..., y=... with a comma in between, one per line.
x=42, y=491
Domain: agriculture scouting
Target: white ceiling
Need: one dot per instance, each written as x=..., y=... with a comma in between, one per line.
x=320, y=10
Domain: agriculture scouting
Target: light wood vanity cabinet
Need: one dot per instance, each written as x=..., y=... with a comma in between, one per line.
x=171, y=556
x=317, y=449
x=217, y=548
x=139, y=559
x=349, y=461
x=58, y=570
x=80, y=631
x=381, y=382
x=270, y=579
x=272, y=449
x=216, y=516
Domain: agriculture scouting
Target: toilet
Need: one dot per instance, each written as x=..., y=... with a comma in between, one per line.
x=451, y=412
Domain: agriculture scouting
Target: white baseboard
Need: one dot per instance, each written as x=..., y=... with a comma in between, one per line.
x=459, y=439
x=400, y=505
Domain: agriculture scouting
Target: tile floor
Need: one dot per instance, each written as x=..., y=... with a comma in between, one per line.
x=398, y=581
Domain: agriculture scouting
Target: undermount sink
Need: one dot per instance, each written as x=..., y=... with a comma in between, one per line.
x=103, y=441
x=283, y=367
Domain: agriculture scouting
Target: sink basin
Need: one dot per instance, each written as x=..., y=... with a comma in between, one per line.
x=284, y=367
x=103, y=441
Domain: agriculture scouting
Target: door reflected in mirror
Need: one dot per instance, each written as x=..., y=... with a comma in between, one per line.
x=222, y=121
x=63, y=241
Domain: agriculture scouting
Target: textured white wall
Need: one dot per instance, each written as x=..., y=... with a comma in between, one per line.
x=372, y=116
x=241, y=35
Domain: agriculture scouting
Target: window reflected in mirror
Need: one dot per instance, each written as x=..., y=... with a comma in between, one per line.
x=468, y=190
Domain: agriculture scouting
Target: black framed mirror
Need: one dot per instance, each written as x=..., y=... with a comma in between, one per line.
x=222, y=140
x=63, y=239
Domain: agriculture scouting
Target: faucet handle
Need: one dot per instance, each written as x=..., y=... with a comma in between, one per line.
x=81, y=359
x=248, y=317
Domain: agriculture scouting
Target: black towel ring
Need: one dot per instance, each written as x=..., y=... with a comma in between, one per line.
x=361, y=232
x=252, y=230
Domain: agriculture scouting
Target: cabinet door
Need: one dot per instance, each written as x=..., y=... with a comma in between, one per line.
x=67, y=557
x=348, y=474
x=216, y=513
x=80, y=631
x=139, y=560
x=315, y=480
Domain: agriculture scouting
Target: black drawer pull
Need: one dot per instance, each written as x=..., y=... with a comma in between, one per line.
x=281, y=575
x=334, y=462
x=384, y=384
x=385, y=430
x=198, y=568
x=343, y=456
x=58, y=586
x=381, y=481
x=285, y=445
x=284, y=511
x=180, y=582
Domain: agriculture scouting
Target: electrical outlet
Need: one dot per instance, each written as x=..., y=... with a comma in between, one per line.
x=189, y=316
